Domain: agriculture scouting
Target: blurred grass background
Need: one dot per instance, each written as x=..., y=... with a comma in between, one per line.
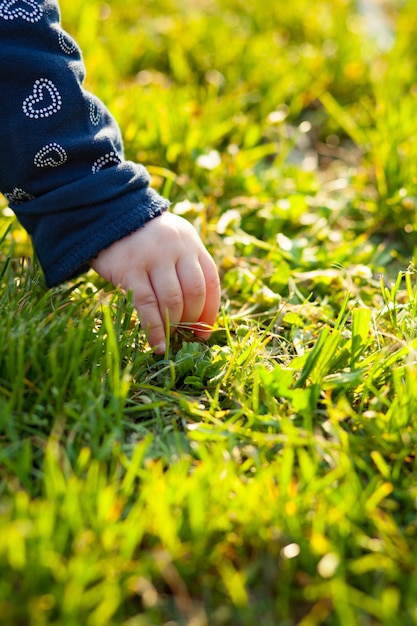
x=269, y=477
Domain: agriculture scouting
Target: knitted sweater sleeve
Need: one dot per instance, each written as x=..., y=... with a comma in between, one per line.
x=62, y=166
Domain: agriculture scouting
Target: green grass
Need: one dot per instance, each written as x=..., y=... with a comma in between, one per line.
x=268, y=477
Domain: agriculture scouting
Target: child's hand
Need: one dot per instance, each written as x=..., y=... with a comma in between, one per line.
x=169, y=271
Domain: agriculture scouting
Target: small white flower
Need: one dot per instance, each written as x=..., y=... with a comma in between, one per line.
x=209, y=161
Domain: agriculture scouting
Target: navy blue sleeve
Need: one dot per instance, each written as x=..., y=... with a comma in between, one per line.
x=62, y=166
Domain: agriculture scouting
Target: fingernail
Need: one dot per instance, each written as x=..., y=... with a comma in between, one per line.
x=160, y=348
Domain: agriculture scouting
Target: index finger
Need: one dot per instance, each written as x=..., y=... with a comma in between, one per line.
x=146, y=304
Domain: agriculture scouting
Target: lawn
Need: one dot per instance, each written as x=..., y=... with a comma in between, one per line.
x=267, y=477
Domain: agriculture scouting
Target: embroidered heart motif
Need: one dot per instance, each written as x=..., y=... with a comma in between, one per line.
x=66, y=44
x=17, y=196
x=44, y=101
x=51, y=155
x=95, y=113
x=13, y=9
x=110, y=157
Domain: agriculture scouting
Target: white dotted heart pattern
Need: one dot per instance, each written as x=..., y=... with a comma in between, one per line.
x=28, y=10
x=94, y=113
x=66, y=44
x=51, y=155
x=45, y=100
x=109, y=157
x=17, y=196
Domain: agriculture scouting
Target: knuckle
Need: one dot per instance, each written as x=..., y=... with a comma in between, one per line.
x=197, y=291
x=173, y=301
x=147, y=300
x=213, y=283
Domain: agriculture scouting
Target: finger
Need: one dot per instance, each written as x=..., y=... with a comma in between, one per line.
x=168, y=292
x=213, y=292
x=193, y=285
x=146, y=304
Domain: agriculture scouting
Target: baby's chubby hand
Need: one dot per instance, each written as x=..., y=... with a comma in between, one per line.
x=169, y=272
